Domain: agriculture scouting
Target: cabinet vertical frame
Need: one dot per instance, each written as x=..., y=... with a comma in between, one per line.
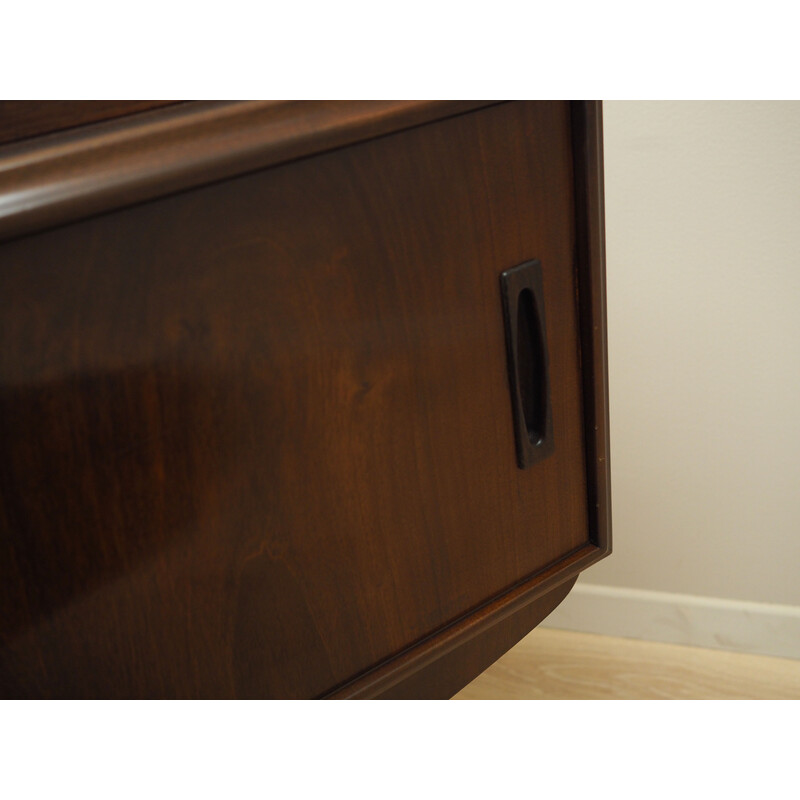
x=590, y=265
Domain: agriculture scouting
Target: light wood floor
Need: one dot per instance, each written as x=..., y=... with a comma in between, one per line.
x=562, y=665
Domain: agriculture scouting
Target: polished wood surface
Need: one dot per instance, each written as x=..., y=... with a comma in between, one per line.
x=257, y=438
x=22, y=119
x=454, y=668
x=127, y=161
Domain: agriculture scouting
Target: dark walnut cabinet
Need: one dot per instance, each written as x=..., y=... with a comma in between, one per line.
x=271, y=423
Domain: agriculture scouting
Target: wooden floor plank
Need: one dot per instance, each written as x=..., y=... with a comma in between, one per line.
x=564, y=665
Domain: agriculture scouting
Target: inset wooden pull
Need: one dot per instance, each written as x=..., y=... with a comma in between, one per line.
x=526, y=346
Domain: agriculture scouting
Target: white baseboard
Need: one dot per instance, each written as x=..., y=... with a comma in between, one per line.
x=680, y=619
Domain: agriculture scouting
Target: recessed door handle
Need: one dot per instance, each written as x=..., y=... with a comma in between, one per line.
x=522, y=293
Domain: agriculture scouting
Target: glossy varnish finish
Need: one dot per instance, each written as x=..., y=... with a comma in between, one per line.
x=21, y=119
x=94, y=169
x=257, y=438
x=453, y=668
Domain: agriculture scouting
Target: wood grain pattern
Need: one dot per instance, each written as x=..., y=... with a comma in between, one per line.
x=22, y=119
x=256, y=436
x=451, y=670
x=564, y=665
x=127, y=161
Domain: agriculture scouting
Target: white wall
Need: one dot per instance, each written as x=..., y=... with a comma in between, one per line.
x=703, y=270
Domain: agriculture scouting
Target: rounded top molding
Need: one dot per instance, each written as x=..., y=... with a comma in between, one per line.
x=63, y=177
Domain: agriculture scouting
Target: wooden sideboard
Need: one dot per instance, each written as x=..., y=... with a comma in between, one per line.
x=297, y=399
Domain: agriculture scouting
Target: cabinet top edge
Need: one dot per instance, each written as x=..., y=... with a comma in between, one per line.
x=61, y=177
